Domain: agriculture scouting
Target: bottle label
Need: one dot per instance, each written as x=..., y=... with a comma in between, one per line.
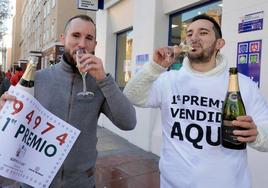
x=227, y=132
x=233, y=96
x=27, y=83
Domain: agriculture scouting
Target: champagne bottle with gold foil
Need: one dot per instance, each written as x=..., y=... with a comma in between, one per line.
x=27, y=80
x=233, y=107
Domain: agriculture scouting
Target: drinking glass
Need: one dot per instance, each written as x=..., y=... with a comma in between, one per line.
x=170, y=51
x=186, y=46
x=80, y=65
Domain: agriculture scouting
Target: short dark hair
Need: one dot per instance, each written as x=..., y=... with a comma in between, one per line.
x=82, y=17
x=216, y=26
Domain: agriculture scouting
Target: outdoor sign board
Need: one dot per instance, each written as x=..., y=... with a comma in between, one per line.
x=251, y=22
x=90, y=4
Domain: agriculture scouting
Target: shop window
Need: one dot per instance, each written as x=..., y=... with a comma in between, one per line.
x=123, y=58
x=179, y=22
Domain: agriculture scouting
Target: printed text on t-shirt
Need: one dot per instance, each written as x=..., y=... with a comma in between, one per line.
x=190, y=108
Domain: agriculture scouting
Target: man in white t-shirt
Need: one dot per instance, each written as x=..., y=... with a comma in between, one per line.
x=190, y=101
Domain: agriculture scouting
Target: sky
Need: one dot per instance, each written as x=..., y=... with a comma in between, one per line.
x=8, y=37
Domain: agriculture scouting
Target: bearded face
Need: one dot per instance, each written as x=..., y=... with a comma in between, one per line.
x=79, y=34
x=203, y=39
x=202, y=54
x=69, y=56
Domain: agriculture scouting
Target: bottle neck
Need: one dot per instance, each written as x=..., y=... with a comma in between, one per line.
x=29, y=72
x=233, y=83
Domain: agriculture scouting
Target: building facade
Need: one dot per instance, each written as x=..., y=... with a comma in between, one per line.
x=128, y=31
x=147, y=25
x=16, y=36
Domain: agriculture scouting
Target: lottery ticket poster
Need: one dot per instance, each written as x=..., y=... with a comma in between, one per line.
x=33, y=142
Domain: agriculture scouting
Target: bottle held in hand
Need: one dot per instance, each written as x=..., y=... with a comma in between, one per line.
x=232, y=108
x=27, y=80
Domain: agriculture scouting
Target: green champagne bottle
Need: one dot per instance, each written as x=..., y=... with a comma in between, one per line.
x=233, y=107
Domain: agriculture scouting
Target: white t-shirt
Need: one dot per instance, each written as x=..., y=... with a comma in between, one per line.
x=191, y=154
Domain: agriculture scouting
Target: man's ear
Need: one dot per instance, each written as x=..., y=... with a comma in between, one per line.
x=95, y=44
x=62, y=39
x=220, y=43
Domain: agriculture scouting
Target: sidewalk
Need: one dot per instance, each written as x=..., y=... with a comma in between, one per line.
x=120, y=164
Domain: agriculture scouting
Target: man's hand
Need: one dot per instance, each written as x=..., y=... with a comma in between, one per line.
x=93, y=66
x=4, y=98
x=165, y=56
x=251, y=132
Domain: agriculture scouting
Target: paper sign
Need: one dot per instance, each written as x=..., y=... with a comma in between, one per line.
x=251, y=22
x=90, y=4
x=33, y=141
x=140, y=61
x=249, y=59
